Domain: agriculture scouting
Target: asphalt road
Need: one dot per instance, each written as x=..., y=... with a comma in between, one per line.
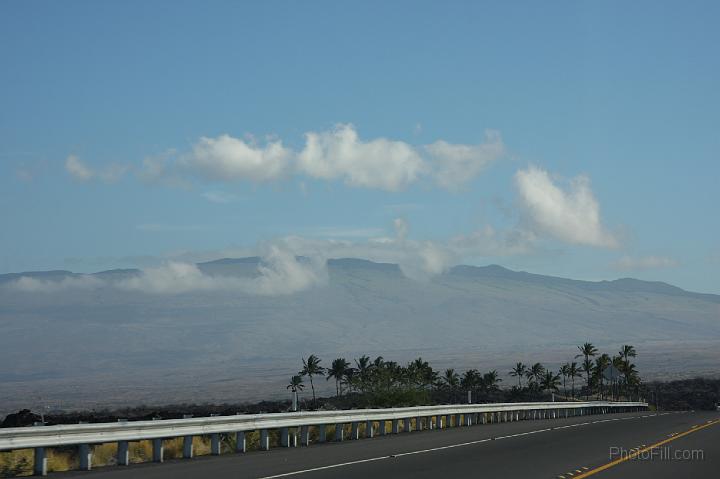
x=561, y=448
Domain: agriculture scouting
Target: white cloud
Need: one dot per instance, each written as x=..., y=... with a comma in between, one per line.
x=379, y=163
x=29, y=284
x=172, y=278
x=572, y=216
x=418, y=260
x=77, y=169
x=335, y=154
x=401, y=228
x=80, y=171
x=283, y=273
x=228, y=159
x=279, y=273
x=629, y=263
x=455, y=165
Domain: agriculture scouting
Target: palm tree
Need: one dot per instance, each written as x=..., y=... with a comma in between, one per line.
x=490, y=380
x=565, y=372
x=627, y=352
x=601, y=363
x=363, y=371
x=471, y=380
x=573, y=372
x=588, y=367
x=422, y=373
x=296, y=383
x=550, y=381
x=451, y=380
x=311, y=368
x=534, y=374
x=587, y=350
x=519, y=371
x=337, y=370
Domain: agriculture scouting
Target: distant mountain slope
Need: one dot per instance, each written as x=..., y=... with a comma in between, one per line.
x=95, y=335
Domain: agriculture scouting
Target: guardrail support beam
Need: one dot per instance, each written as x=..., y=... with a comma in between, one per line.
x=40, y=464
x=339, y=432
x=264, y=440
x=85, y=457
x=304, y=435
x=407, y=425
x=381, y=428
x=322, y=433
x=187, y=447
x=355, y=430
x=123, y=453
x=240, y=445
x=395, y=426
x=368, y=429
x=158, y=450
x=215, y=444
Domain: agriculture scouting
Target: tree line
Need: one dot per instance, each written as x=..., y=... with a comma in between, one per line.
x=379, y=382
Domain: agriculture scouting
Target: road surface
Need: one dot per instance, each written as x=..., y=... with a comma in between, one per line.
x=555, y=449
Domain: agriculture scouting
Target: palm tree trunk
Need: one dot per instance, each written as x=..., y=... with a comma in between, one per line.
x=313, y=391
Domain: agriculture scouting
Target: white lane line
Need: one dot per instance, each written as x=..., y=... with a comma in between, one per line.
x=360, y=461
x=440, y=448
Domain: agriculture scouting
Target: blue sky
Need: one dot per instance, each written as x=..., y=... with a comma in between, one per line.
x=567, y=138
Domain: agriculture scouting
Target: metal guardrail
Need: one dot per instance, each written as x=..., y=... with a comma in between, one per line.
x=84, y=435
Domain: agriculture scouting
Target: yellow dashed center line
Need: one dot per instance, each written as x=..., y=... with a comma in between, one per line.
x=640, y=451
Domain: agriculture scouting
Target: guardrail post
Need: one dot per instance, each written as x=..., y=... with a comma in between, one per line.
x=123, y=453
x=439, y=422
x=395, y=426
x=285, y=437
x=339, y=432
x=158, y=450
x=457, y=420
x=381, y=428
x=355, y=430
x=322, y=433
x=240, y=445
x=85, y=456
x=40, y=464
x=368, y=429
x=215, y=444
x=304, y=435
x=407, y=425
x=264, y=440
x=187, y=447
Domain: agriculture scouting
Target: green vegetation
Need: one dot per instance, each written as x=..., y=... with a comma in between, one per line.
x=382, y=383
x=683, y=394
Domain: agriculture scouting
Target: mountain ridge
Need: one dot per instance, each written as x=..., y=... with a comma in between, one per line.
x=219, y=265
